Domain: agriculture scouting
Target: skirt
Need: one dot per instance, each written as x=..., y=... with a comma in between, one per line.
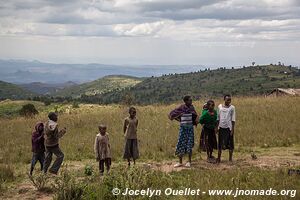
x=185, y=142
x=226, y=140
x=131, y=149
x=209, y=141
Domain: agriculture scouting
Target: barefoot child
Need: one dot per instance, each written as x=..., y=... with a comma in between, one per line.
x=52, y=136
x=102, y=149
x=186, y=115
x=38, y=147
x=209, y=121
x=226, y=121
x=130, y=130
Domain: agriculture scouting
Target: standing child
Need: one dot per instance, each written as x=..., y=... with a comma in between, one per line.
x=130, y=130
x=186, y=115
x=226, y=121
x=102, y=149
x=38, y=147
x=52, y=136
x=209, y=121
x=202, y=146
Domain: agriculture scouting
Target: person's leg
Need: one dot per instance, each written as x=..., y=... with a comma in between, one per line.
x=107, y=163
x=180, y=148
x=58, y=161
x=42, y=160
x=231, y=146
x=101, y=166
x=230, y=155
x=33, y=162
x=220, y=144
x=180, y=159
x=190, y=157
x=48, y=159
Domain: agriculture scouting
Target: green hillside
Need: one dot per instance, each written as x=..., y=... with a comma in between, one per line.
x=11, y=91
x=100, y=86
x=254, y=80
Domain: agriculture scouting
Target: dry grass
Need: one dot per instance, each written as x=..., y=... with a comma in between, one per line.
x=261, y=122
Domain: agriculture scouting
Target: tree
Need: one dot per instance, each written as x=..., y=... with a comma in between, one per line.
x=28, y=110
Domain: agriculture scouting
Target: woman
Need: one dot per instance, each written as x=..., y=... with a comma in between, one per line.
x=186, y=115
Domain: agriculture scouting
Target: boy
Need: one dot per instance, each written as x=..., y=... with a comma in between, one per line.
x=52, y=136
x=102, y=149
x=38, y=147
x=226, y=121
x=186, y=115
x=131, y=149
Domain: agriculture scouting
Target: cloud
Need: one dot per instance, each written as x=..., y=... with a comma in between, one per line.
x=198, y=20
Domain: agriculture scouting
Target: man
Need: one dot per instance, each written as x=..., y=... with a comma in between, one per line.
x=226, y=124
x=52, y=136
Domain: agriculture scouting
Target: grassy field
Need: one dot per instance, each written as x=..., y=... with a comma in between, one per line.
x=262, y=124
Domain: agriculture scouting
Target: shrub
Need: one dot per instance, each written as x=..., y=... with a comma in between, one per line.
x=6, y=175
x=39, y=181
x=88, y=170
x=75, y=104
x=28, y=110
x=66, y=187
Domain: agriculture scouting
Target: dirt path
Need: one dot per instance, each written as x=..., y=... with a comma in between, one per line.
x=270, y=158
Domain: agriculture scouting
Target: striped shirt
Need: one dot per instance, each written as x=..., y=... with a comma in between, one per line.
x=186, y=119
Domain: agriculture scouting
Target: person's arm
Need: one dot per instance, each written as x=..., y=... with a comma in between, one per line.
x=218, y=117
x=96, y=148
x=217, y=123
x=137, y=123
x=125, y=126
x=62, y=132
x=233, y=121
x=202, y=118
x=36, y=138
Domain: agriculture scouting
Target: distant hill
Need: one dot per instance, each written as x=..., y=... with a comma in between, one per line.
x=22, y=71
x=253, y=80
x=46, y=88
x=99, y=86
x=12, y=91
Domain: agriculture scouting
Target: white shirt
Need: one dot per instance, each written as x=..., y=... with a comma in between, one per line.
x=226, y=115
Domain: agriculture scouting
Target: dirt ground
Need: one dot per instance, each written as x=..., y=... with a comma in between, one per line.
x=269, y=158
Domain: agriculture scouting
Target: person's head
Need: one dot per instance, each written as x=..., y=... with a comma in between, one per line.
x=204, y=106
x=210, y=105
x=227, y=99
x=41, y=127
x=132, y=112
x=53, y=116
x=187, y=100
x=102, y=129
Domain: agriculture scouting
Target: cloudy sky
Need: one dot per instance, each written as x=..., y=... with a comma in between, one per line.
x=209, y=32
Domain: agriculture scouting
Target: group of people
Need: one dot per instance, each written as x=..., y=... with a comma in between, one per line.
x=220, y=121
x=45, y=137
x=45, y=143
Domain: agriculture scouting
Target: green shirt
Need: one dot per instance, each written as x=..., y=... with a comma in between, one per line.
x=209, y=121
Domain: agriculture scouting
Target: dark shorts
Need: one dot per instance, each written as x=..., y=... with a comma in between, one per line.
x=131, y=149
x=226, y=141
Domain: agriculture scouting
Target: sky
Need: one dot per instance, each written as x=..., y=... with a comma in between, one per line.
x=204, y=32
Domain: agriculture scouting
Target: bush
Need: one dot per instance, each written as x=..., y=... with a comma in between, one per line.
x=75, y=104
x=88, y=170
x=6, y=175
x=28, y=110
x=66, y=187
x=39, y=181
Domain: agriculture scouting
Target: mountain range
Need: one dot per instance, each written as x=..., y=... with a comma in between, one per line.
x=24, y=72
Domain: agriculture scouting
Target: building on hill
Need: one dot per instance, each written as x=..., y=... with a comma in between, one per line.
x=284, y=92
